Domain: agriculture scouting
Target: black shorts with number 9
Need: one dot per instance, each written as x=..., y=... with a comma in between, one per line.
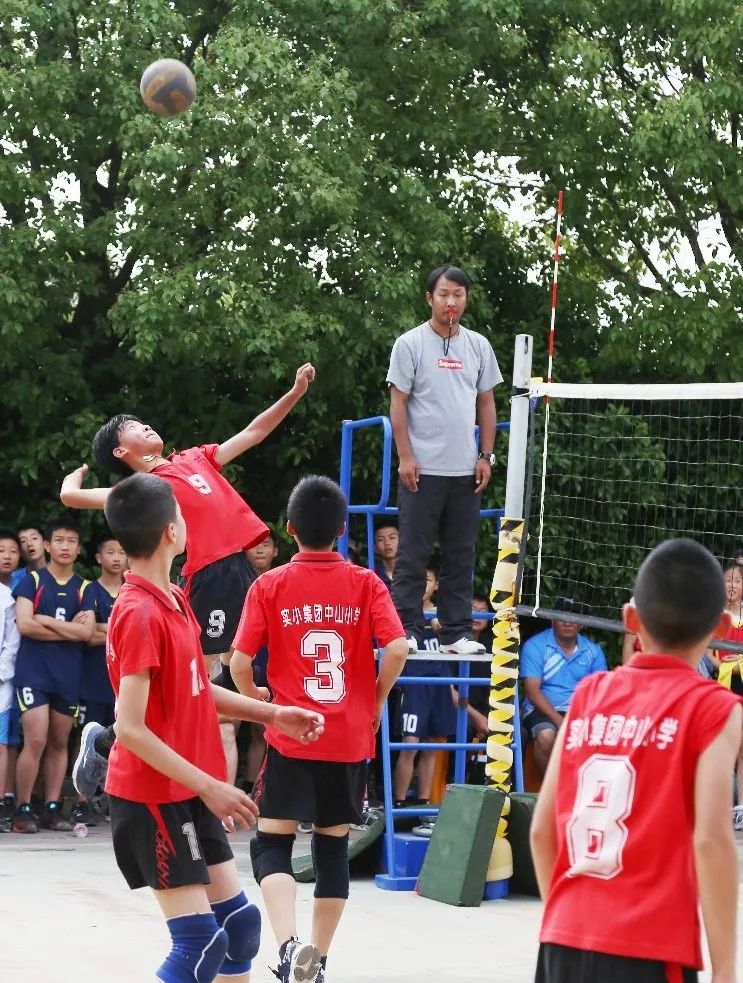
x=166, y=846
x=217, y=594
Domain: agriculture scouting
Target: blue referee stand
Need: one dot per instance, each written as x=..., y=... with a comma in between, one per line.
x=396, y=845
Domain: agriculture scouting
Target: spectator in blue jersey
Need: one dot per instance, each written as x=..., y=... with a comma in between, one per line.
x=32, y=548
x=55, y=617
x=9, y=641
x=441, y=379
x=552, y=664
x=386, y=543
x=10, y=559
x=97, y=697
x=428, y=711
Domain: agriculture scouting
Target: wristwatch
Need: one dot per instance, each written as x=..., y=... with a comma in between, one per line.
x=490, y=458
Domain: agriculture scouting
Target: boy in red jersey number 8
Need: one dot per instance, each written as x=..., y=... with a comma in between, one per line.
x=632, y=826
x=168, y=795
x=318, y=615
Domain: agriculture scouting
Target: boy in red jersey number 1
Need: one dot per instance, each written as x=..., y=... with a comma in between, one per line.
x=168, y=795
x=318, y=615
x=632, y=826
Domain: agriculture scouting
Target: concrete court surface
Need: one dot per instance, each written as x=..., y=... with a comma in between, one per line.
x=66, y=916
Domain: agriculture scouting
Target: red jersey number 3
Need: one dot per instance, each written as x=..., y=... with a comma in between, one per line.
x=328, y=682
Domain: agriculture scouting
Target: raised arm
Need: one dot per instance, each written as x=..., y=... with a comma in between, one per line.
x=74, y=496
x=267, y=421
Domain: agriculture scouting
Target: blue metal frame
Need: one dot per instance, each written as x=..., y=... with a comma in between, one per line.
x=460, y=746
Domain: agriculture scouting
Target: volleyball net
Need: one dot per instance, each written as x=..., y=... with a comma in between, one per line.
x=614, y=470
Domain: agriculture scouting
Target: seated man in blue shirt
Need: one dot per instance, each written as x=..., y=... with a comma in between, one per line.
x=552, y=664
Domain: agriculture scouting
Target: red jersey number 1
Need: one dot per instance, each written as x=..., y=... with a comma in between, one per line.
x=596, y=832
x=328, y=682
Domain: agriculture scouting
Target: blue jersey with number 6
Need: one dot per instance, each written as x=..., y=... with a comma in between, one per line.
x=54, y=667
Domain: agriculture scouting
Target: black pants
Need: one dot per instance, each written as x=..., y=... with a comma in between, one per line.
x=450, y=509
x=563, y=964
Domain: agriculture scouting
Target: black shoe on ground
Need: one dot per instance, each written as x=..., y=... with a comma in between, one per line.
x=82, y=813
x=54, y=820
x=7, y=812
x=24, y=820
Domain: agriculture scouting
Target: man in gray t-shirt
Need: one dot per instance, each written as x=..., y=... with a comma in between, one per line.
x=441, y=379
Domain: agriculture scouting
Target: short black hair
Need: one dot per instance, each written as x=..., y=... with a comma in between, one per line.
x=63, y=522
x=386, y=524
x=103, y=539
x=138, y=509
x=679, y=593
x=731, y=565
x=317, y=510
x=106, y=441
x=569, y=605
x=451, y=273
x=35, y=528
x=9, y=534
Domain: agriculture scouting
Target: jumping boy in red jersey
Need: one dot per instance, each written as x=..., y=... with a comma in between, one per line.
x=318, y=615
x=221, y=526
x=632, y=826
x=168, y=797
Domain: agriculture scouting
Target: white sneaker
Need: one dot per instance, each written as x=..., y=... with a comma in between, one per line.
x=464, y=646
x=738, y=818
x=412, y=645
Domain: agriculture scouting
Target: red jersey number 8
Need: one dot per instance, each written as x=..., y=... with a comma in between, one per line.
x=328, y=683
x=596, y=830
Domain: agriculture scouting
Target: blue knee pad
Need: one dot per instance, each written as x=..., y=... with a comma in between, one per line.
x=199, y=948
x=330, y=856
x=242, y=923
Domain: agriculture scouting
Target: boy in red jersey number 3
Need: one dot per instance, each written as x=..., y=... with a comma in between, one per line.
x=318, y=615
x=168, y=795
x=632, y=826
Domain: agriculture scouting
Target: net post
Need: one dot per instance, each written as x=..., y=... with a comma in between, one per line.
x=504, y=743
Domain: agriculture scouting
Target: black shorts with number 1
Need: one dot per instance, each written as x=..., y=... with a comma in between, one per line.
x=168, y=845
x=216, y=594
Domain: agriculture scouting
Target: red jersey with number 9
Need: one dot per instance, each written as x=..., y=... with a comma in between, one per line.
x=147, y=631
x=218, y=521
x=318, y=615
x=625, y=881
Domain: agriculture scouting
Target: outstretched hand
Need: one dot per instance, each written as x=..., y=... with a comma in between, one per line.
x=305, y=375
x=304, y=726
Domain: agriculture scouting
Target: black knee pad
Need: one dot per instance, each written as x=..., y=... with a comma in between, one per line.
x=330, y=856
x=271, y=853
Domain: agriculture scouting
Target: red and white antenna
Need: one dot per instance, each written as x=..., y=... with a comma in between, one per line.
x=555, y=271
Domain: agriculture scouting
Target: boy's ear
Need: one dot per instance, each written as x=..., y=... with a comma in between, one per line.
x=118, y=452
x=340, y=531
x=631, y=619
x=290, y=529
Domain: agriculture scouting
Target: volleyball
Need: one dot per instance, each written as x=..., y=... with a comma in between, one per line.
x=168, y=87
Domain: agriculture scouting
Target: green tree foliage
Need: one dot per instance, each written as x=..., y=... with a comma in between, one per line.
x=182, y=268
x=338, y=150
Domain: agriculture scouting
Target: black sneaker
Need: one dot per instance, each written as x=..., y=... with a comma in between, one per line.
x=82, y=813
x=54, y=820
x=24, y=820
x=7, y=811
